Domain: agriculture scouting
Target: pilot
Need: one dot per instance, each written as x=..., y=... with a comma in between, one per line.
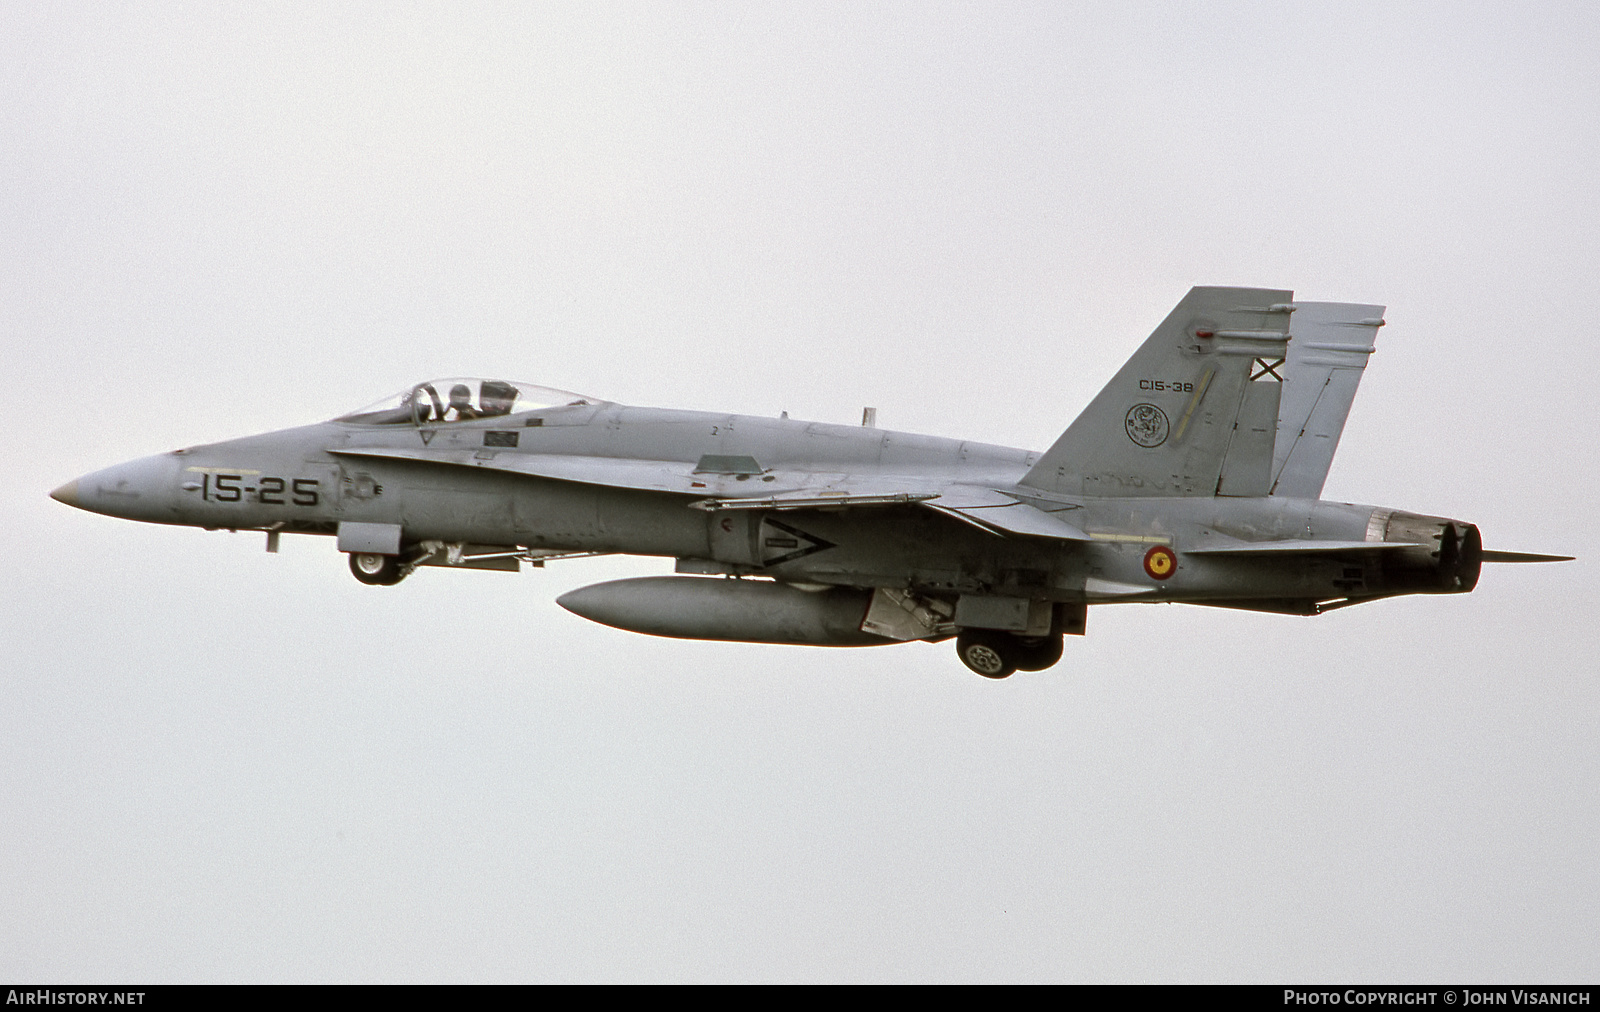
x=461, y=403
x=498, y=397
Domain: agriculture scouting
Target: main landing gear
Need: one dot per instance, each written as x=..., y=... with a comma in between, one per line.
x=995, y=654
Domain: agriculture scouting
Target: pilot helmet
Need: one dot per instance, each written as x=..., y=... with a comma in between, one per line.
x=497, y=397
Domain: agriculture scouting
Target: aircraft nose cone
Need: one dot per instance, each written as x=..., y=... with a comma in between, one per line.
x=143, y=489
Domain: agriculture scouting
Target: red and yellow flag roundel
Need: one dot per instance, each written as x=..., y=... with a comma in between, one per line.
x=1160, y=563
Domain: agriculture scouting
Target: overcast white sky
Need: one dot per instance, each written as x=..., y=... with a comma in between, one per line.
x=222, y=765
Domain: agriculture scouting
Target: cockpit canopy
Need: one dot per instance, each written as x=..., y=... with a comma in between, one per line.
x=462, y=399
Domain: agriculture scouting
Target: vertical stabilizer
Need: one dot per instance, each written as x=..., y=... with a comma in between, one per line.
x=1331, y=346
x=1193, y=413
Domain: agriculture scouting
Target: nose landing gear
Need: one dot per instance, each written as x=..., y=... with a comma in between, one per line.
x=378, y=570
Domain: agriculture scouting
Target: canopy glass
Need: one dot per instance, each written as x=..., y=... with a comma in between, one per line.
x=461, y=399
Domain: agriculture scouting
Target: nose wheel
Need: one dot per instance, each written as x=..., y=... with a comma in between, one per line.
x=377, y=570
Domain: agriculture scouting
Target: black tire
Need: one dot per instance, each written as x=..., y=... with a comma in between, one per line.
x=1036, y=654
x=377, y=570
x=986, y=653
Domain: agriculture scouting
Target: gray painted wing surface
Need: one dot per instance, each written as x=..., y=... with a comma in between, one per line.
x=671, y=475
x=787, y=489
x=1303, y=545
x=643, y=475
x=1002, y=514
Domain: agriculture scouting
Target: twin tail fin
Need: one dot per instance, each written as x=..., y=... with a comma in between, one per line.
x=1194, y=412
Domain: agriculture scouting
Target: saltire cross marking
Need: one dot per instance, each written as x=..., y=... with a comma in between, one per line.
x=1267, y=370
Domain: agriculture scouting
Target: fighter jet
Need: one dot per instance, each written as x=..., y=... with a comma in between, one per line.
x=1194, y=476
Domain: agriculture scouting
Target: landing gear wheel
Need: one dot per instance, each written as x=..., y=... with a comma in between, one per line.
x=1036, y=654
x=986, y=653
x=377, y=570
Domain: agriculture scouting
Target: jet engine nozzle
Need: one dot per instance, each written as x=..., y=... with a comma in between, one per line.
x=1446, y=559
x=709, y=608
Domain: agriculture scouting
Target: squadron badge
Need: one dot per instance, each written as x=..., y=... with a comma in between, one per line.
x=1147, y=425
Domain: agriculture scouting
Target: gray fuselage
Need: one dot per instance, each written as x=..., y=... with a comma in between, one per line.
x=629, y=478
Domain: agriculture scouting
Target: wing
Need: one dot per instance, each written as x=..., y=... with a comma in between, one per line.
x=721, y=482
x=999, y=513
x=746, y=487
x=642, y=475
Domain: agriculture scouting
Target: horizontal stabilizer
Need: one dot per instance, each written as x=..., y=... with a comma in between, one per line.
x=1301, y=546
x=1305, y=546
x=1525, y=557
